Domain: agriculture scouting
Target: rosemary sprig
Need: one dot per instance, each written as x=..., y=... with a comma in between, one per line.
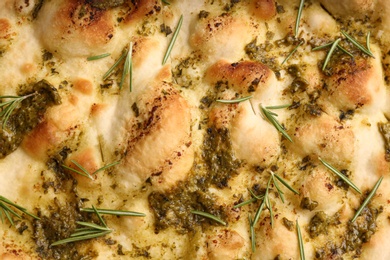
x=233, y=101
x=266, y=200
x=300, y=241
x=98, y=57
x=85, y=236
x=165, y=2
x=84, y=171
x=127, y=69
x=358, y=45
x=253, y=199
x=292, y=52
x=300, y=9
x=89, y=231
x=9, y=106
x=173, y=40
x=114, y=212
x=367, y=200
x=208, y=215
x=330, y=44
x=5, y=206
x=110, y=70
x=342, y=176
x=271, y=118
x=330, y=52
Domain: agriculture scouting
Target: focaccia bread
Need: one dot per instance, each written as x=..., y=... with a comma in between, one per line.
x=241, y=129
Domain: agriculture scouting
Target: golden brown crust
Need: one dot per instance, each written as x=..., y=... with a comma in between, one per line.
x=159, y=145
x=161, y=132
x=244, y=77
x=320, y=187
x=41, y=139
x=264, y=9
x=84, y=86
x=352, y=8
x=325, y=137
x=219, y=37
x=84, y=29
x=141, y=9
x=225, y=244
x=355, y=84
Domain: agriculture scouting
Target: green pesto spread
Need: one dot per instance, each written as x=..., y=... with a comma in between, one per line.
x=361, y=231
x=215, y=167
x=106, y=4
x=307, y=203
x=60, y=220
x=27, y=115
x=356, y=234
x=384, y=129
x=318, y=224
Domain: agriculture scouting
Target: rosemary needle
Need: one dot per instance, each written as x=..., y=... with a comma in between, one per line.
x=271, y=118
x=278, y=107
x=330, y=52
x=233, y=101
x=5, y=207
x=367, y=200
x=292, y=52
x=81, y=237
x=245, y=203
x=342, y=176
x=358, y=45
x=299, y=17
x=288, y=186
x=97, y=57
x=84, y=171
x=368, y=42
x=89, y=231
x=253, y=234
x=173, y=40
x=127, y=68
x=264, y=202
x=108, y=73
x=300, y=241
x=114, y=212
x=208, y=215
x=330, y=44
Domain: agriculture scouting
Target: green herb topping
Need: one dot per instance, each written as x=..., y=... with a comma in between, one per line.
x=114, y=212
x=98, y=57
x=84, y=171
x=233, y=101
x=9, y=106
x=300, y=9
x=88, y=231
x=6, y=208
x=358, y=45
x=338, y=173
x=208, y=215
x=367, y=200
x=271, y=117
x=300, y=241
x=173, y=40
